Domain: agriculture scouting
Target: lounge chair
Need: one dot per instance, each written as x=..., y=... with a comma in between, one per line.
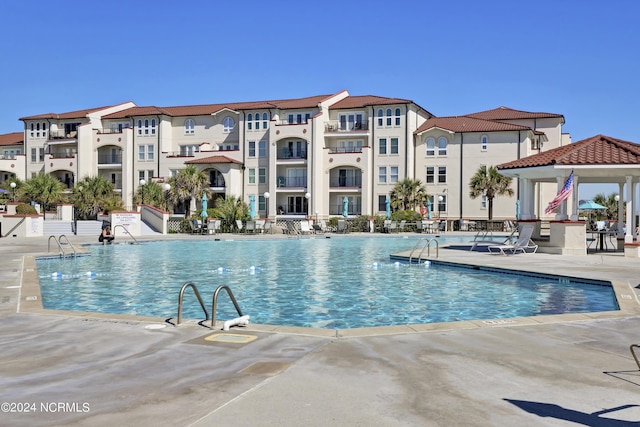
x=304, y=227
x=239, y=225
x=215, y=226
x=343, y=227
x=524, y=244
x=250, y=227
x=196, y=226
x=403, y=223
x=260, y=225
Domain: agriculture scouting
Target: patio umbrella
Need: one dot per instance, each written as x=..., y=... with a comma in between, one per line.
x=252, y=206
x=517, y=210
x=590, y=206
x=428, y=208
x=203, y=214
x=3, y=191
x=345, y=207
x=387, y=206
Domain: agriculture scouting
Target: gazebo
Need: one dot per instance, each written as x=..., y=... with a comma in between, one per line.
x=600, y=159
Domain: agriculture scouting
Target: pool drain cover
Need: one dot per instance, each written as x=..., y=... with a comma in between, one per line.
x=231, y=338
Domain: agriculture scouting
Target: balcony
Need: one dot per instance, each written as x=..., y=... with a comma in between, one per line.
x=336, y=126
x=60, y=161
x=338, y=209
x=335, y=150
x=287, y=153
x=109, y=159
x=296, y=182
x=345, y=181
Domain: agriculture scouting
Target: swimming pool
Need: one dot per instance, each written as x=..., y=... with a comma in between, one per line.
x=336, y=283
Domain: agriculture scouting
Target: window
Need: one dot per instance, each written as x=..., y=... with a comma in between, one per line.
x=397, y=117
x=382, y=175
x=252, y=176
x=228, y=124
x=382, y=203
x=41, y=152
x=252, y=149
x=265, y=120
x=442, y=203
x=249, y=120
x=442, y=146
x=262, y=204
x=388, y=116
x=296, y=204
x=394, y=146
x=189, y=126
x=431, y=146
x=442, y=175
x=146, y=152
x=257, y=122
x=483, y=202
x=380, y=114
x=153, y=126
x=290, y=119
x=382, y=146
x=32, y=131
x=430, y=179
x=34, y=155
x=146, y=126
x=146, y=175
x=139, y=127
x=350, y=121
x=393, y=174
x=188, y=150
x=484, y=143
x=262, y=149
x=262, y=176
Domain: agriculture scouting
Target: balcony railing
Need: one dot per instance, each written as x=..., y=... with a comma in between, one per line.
x=338, y=209
x=109, y=159
x=294, y=121
x=292, y=182
x=345, y=182
x=337, y=126
x=62, y=155
x=334, y=150
x=181, y=154
x=60, y=134
x=287, y=154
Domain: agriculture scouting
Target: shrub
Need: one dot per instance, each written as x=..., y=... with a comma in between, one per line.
x=26, y=209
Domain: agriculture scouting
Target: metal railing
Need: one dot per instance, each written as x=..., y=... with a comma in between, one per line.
x=427, y=245
x=214, y=303
x=59, y=243
x=125, y=230
x=181, y=298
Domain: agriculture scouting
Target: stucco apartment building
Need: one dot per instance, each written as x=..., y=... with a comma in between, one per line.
x=294, y=157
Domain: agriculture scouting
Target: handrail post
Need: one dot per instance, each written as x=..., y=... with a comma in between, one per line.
x=214, y=303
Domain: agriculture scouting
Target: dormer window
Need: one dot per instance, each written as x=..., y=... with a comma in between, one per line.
x=189, y=126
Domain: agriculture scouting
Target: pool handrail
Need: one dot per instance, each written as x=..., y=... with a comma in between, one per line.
x=125, y=230
x=58, y=240
x=68, y=243
x=427, y=246
x=181, y=297
x=214, y=303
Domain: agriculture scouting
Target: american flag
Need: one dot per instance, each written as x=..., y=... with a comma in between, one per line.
x=561, y=196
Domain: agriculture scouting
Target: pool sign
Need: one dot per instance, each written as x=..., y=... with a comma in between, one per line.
x=128, y=220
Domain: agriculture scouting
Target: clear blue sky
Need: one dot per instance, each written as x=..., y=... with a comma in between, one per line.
x=578, y=58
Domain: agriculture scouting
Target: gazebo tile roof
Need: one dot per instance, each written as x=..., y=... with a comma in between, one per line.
x=213, y=159
x=597, y=150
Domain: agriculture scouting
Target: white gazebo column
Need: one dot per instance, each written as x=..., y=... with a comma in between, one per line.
x=628, y=237
x=620, y=200
x=526, y=199
x=575, y=201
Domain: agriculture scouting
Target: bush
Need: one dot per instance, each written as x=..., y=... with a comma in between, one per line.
x=25, y=209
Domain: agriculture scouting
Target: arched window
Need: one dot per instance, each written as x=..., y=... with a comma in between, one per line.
x=388, y=116
x=380, y=114
x=153, y=127
x=146, y=126
x=228, y=124
x=397, y=117
x=189, y=126
x=431, y=146
x=257, y=123
x=484, y=143
x=139, y=127
x=442, y=146
x=249, y=120
x=265, y=120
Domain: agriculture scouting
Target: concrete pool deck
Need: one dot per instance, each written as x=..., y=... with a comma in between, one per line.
x=59, y=368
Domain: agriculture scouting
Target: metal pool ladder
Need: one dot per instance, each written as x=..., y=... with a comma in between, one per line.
x=58, y=242
x=125, y=230
x=426, y=245
x=214, y=302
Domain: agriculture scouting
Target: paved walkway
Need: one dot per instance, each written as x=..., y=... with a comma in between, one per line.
x=86, y=370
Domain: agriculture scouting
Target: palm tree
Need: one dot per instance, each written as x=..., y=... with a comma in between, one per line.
x=407, y=194
x=154, y=194
x=231, y=209
x=44, y=189
x=188, y=185
x=609, y=202
x=490, y=183
x=94, y=194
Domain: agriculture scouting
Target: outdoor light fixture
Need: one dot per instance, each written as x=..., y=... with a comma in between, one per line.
x=13, y=191
x=142, y=183
x=307, y=196
x=266, y=202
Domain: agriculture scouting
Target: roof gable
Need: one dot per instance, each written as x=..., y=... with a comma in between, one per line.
x=467, y=124
x=14, y=138
x=79, y=114
x=212, y=159
x=366, y=101
x=505, y=113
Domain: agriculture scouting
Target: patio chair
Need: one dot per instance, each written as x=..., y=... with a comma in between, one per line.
x=386, y=226
x=317, y=228
x=343, y=227
x=304, y=227
x=239, y=225
x=250, y=227
x=403, y=223
x=524, y=244
x=215, y=226
x=260, y=225
x=196, y=226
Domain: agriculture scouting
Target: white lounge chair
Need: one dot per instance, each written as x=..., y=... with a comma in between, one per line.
x=239, y=225
x=524, y=244
x=304, y=227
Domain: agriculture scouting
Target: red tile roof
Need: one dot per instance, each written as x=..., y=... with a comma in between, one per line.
x=467, y=124
x=366, y=101
x=80, y=114
x=597, y=150
x=14, y=138
x=504, y=113
x=213, y=159
x=199, y=110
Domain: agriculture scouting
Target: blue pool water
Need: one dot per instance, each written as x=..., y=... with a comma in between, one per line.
x=341, y=282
